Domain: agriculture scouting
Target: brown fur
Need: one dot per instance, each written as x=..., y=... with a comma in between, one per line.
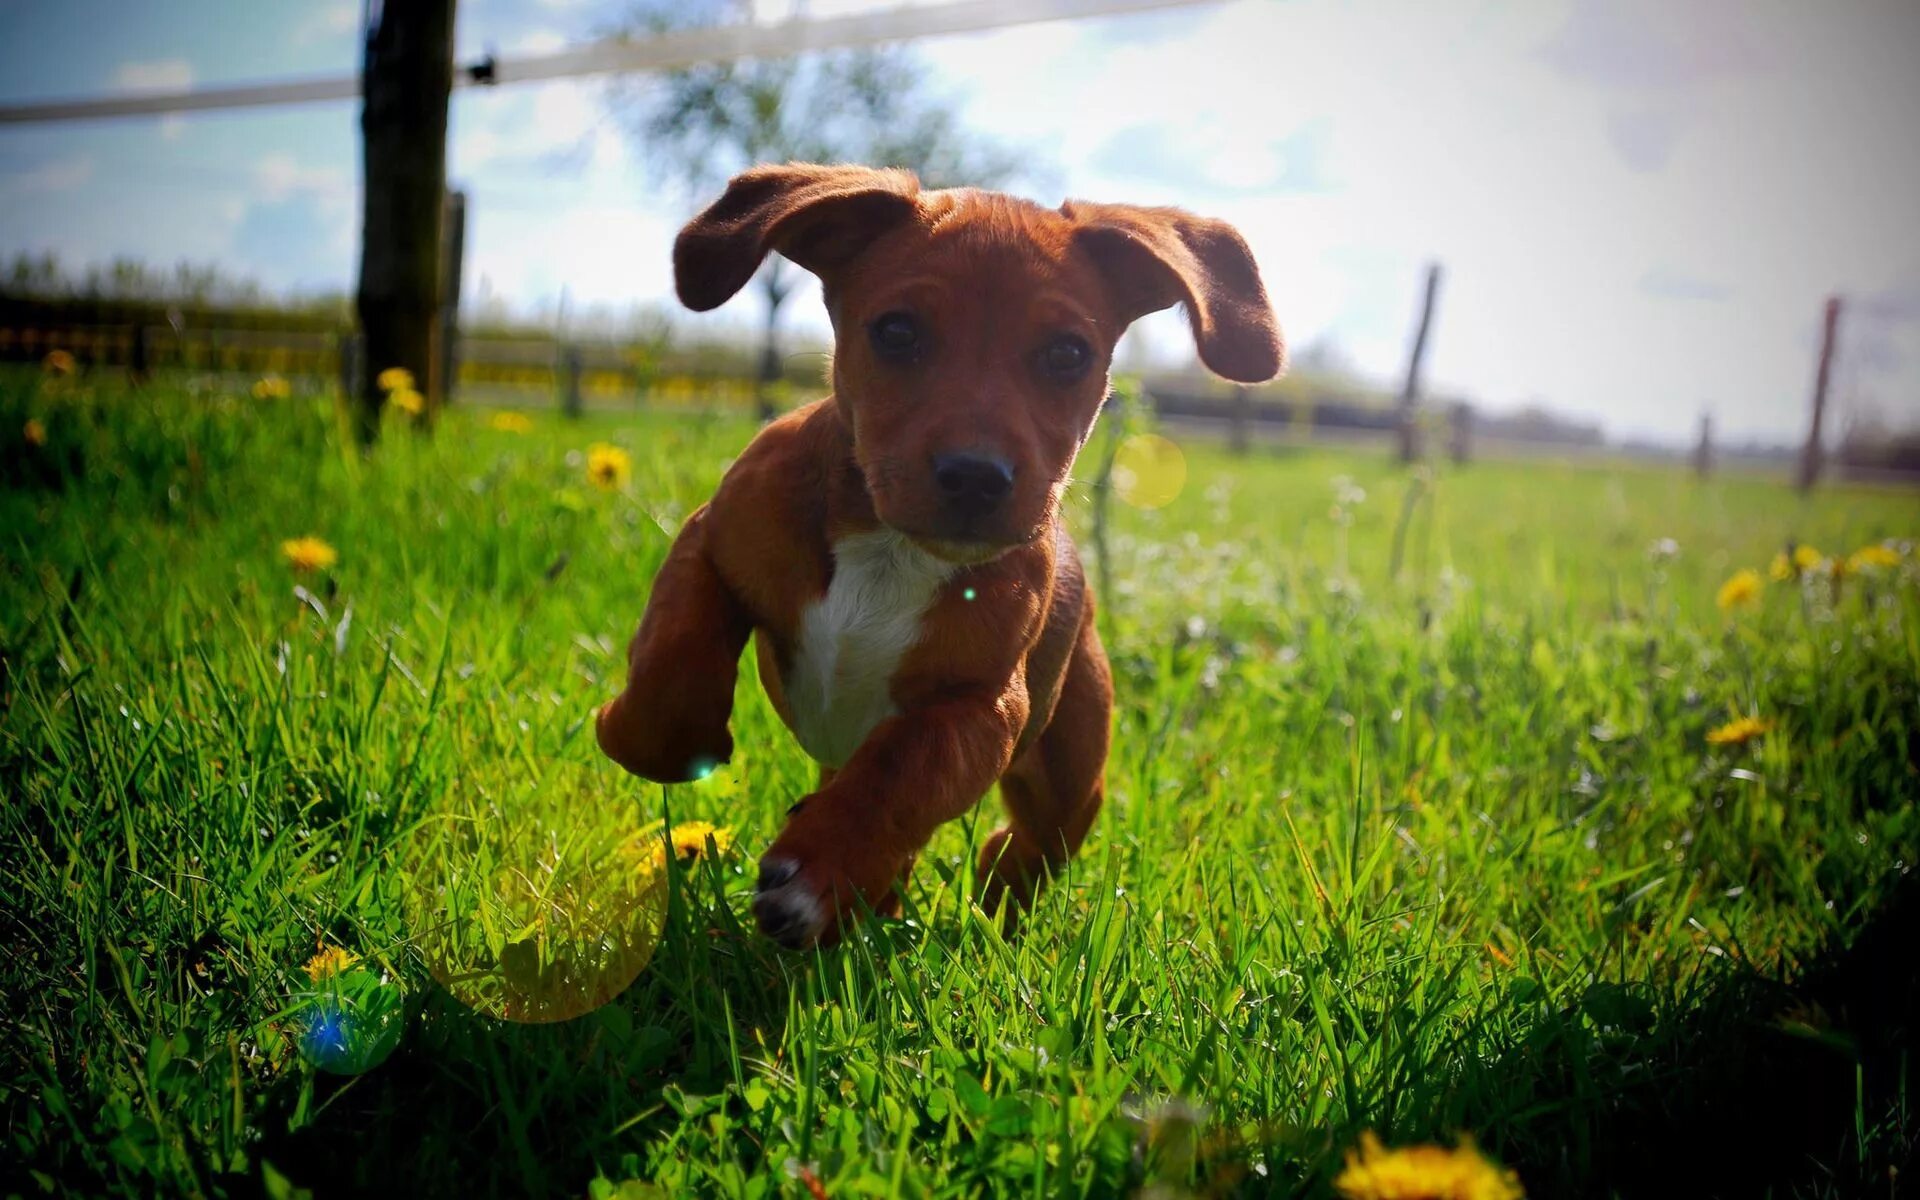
x=1011, y=685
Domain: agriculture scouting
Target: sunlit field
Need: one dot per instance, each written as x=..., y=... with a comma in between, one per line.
x=1431, y=814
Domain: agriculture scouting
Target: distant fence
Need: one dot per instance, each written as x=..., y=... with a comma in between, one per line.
x=528, y=371
x=536, y=372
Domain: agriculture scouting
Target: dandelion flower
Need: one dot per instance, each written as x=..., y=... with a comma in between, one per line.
x=330, y=961
x=690, y=840
x=407, y=401
x=1740, y=590
x=1374, y=1172
x=34, y=432
x=1792, y=566
x=608, y=466
x=395, y=379
x=1873, y=556
x=271, y=387
x=308, y=554
x=1739, y=732
x=511, y=422
x=57, y=362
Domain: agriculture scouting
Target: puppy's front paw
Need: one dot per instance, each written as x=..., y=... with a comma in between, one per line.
x=820, y=873
x=786, y=904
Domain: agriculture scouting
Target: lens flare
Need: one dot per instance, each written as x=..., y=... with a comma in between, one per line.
x=531, y=896
x=1149, y=471
x=349, y=1021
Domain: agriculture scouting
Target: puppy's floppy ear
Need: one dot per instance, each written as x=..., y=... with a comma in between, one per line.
x=1155, y=258
x=817, y=216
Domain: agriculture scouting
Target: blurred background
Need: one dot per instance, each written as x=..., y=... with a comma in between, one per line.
x=1622, y=222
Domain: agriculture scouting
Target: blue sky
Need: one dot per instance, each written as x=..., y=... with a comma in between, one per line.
x=1641, y=204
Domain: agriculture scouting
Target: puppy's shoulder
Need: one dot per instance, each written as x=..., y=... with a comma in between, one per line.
x=783, y=470
x=767, y=520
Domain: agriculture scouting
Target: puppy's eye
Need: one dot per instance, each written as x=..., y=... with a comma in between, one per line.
x=1066, y=358
x=896, y=336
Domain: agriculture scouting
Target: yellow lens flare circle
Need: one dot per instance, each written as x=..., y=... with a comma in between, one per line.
x=530, y=895
x=1149, y=471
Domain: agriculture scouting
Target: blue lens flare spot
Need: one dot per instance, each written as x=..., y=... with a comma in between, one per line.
x=968, y=594
x=349, y=1023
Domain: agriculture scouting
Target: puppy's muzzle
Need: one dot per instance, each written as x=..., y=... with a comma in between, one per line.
x=972, y=486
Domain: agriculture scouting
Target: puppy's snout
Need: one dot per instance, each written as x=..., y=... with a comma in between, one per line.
x=972, y=485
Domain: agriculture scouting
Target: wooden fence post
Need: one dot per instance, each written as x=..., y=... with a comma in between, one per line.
x=351, y=350
x=1810, y=455
x=1703, y=450
x=1460, y=433
x=405, y=81
x=453, y=252
x=1410, y=392
x=571, y=404
x=140, y=356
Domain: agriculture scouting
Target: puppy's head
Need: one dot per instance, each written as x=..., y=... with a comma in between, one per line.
x=974, y=330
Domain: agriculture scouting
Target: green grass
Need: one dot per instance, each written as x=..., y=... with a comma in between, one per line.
x=1429, y=854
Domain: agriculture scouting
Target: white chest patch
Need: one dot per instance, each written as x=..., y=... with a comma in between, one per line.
x=852, y=638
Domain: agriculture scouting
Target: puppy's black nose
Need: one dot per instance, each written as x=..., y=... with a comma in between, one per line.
x=972, y=484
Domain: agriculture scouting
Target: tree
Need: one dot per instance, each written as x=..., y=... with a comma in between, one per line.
x=701, y=125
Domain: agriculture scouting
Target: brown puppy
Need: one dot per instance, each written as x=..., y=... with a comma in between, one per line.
x=924, y=624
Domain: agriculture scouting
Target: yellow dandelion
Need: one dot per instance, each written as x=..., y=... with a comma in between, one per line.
x=608, y=466
x=1373, y=1172
x=271, y=387
x=395, y=379
x=690, y=839
x=58, y=362
x=308, y=554
x=1792, y=566
x=1739, y=732
x=1873, y=556
x=34, y=432
x=1740, y=590
x=511, y=422
x=407, y=401
x=330, y=961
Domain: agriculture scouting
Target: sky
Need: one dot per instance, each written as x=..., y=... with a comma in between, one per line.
x=1640, y=205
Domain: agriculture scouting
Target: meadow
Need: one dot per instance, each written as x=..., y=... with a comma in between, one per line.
x=1429, y=814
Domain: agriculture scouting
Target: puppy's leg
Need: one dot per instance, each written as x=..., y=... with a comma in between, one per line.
x=846, y=847
x=1054, y=789
x=889, y=904
x=670, y=724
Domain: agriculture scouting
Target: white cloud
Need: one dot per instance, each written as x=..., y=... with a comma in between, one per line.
x=538, y=41
x=60, y=175
x=162, y=75
x=280, y=176
x=327, y=22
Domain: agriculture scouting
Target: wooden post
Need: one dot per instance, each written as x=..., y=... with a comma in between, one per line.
x=1242, y=413
x=774, y=288
x=1460, y=433
x=405, y=81
x=571, y=404
x=1410, y=392
x=1810, y=456
x=351, y=351
x=140, y=357
x=1703, y=452
x=453, y=252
